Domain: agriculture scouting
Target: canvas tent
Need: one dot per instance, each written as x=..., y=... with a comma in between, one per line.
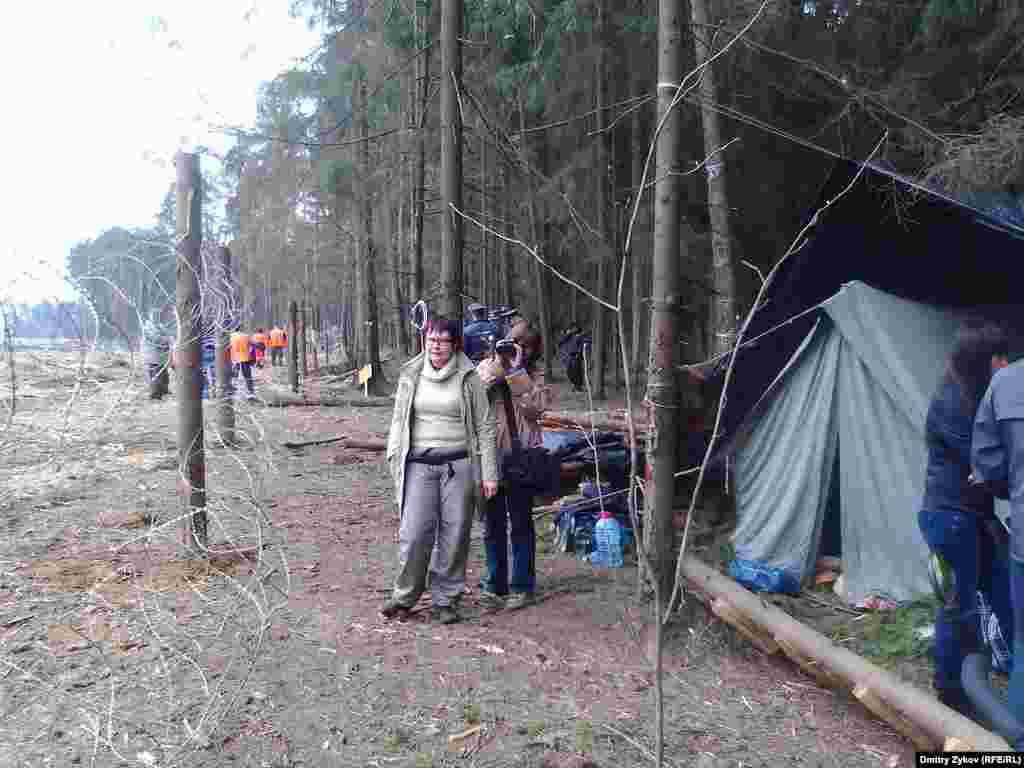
x=826, y=419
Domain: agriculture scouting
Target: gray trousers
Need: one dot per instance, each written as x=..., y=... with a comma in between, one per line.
x=437, y=510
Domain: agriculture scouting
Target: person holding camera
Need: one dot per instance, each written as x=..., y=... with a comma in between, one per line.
x=955, y=513
x=520, y=394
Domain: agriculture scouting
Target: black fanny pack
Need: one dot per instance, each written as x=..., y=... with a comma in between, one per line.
x=437, y=456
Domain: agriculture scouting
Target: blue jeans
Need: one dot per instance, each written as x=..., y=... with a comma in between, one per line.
x=955, y=535
x=246, y=370
x=1016, y=693
x=504, y=509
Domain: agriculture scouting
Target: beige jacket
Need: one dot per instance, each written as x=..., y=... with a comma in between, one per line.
x=531, y=396
x=477, y=415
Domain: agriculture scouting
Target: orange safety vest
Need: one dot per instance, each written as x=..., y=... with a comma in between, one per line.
x=259, y=338
x=240, y=343
x=277, y=338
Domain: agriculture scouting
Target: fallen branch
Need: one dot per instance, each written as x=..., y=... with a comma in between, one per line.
x=362, y=443
x=903, y=706
x=281, y=400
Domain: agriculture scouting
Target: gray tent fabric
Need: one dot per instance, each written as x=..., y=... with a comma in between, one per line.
x=859, y=385
x=784, y=465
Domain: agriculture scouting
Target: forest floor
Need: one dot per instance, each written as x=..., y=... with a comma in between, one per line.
x=115, y=651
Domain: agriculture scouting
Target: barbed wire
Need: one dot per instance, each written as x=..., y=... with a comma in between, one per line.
x=128, y=649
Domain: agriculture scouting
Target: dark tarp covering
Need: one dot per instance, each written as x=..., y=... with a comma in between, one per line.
x=894, y=236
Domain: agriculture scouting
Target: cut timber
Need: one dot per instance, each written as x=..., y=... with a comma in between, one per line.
x=825, y=677
x=724, y=610
x=558, y=420
x=953, y=744
x=362, y=443
x=458, y=740
x=934, y=720
x=285, y=400
x=883, y=711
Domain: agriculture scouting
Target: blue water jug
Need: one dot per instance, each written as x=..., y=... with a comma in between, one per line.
x=608, y=542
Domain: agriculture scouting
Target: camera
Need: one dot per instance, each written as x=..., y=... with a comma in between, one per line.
x=505, y=348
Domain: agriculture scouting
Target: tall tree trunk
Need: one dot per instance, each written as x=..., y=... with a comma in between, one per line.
x=316, y=338
x=397, y=299
x=601, y=202
x=723, y=280
x=303, y=340
x=503, y=246
x=420, y=179
x=539, y=238
x=225, y=402
x=662, y=379
x=369, y=329
x=188, y=353
x=451, y=159
x=485, y=277
x=293, y=346
x=639, y=255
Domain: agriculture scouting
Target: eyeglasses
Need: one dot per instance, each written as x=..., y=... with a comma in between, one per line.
x=439, y=342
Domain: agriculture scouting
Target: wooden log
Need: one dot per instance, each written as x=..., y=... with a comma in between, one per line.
x=360, y=443
x=725, y=611
x=883, y=711
x=825, y=677
x=561, y=420
x=279, y=399
x=934, y=720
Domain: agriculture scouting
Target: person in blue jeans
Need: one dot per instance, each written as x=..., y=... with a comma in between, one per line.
x=508, y=517
x=954, y=511
x=997, y=457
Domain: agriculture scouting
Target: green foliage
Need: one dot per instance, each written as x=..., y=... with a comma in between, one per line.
x=646, y=25
x=471, y=714
x=584, y=736
x=535, y=728
x=333, y=172
x=383, y=103
x=894, y=633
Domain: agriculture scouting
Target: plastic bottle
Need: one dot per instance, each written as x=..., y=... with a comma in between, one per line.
x=608, y=539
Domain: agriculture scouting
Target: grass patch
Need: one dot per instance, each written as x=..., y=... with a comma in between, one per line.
x=584, y=737
x=892, y=634
x=395, y=740
x=471, y=714
x=535, y=728
x=423, y=760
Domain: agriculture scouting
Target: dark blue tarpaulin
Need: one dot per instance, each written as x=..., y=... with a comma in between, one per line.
x=895, y=236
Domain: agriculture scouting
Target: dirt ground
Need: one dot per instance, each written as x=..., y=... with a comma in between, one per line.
x=116, y=651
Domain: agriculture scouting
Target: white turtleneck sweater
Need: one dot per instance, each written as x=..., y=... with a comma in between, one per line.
x=437, y=409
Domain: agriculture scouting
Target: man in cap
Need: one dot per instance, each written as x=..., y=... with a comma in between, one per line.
x=478, y=333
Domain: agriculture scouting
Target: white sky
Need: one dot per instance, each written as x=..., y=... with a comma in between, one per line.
x=99, y=97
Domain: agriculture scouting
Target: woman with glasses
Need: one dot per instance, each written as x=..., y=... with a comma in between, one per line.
x=441, y=453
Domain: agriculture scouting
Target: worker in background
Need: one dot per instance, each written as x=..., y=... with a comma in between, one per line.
x=156, y=352
x=997, y=460
x=208, y=345
x=259, y=346
x=278, y=341
x=241, y=358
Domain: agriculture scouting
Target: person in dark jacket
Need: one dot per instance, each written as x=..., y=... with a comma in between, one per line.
x=997, y=457
x=954, y=512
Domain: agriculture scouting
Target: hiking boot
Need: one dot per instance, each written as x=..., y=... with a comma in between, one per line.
x=491, y=600
x=446, y=614
x=519, y=600
x=393, y=608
